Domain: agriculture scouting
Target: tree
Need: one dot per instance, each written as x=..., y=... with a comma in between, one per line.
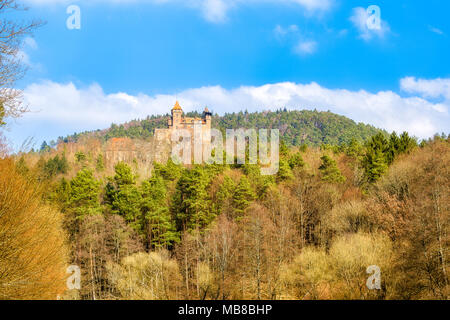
x=146, y=276
x=123, y=175
x=159, y=226
x=243, y=196
x=191, y=203
x=101, y=240
x=33, y=255
x=126, y=197
x=296, y=161
x=100, y=164
x=375, y=161
x=330, y=171
x=224, y=197
x=284, y=170
x=55, y=166
x=80, y=157
x=11, y=66
x=84, y=194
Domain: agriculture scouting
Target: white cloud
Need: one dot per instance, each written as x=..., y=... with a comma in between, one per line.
x=314, y=5
x=60, y=109
x=359, y=19
x=436, y=30
x=215, y=10
x=212, y=10
x=281, y=31
x=29, y=44
x=434, y=88
x=307, y=47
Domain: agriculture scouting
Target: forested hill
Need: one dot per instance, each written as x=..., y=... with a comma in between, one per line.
x=296, y=127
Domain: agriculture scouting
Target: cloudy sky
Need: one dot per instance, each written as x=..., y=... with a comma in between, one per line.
x=133, y=58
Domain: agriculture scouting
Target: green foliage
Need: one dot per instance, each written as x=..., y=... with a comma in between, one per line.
x=260, y=183
x=243, y=196
x=329, y=170
x=123, y=175
x=380, y=153
x=100, y=164
x=125, y=203
x=84, y=194
x=21, y=166
x=191, y=203
x=44, y=147
x=375, y=162
x=159, y=224
x=169, y=172
x=123, y=197
x=354, y=149
x=297, y=128
x=62, y=193
x=284, y=170
x=224, y=195
x=80, y=157
x=56, y=166
x=296, y=161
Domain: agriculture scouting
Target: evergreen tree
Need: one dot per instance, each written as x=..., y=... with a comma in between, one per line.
x=123, y=175
x=296, y=161
x=242, y=197
x=159, y=225
x=80, y=157
x=191, y=203
x=354, y=149
x=100, y=164
x=84, y=194
x=284, y=170
x=125, y=196
x=376, y=158
x=329, y=170
x=224, y=196
x=21, y=166
x=44, y=147
x=126, y=203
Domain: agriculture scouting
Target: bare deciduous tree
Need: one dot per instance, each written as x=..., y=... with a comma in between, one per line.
x=12, y=34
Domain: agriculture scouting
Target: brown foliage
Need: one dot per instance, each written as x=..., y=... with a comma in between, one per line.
x=33, y=255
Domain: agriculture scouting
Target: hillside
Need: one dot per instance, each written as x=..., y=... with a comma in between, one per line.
x=296, y=127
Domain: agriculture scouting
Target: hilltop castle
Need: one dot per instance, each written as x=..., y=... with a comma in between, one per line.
x=177, y=121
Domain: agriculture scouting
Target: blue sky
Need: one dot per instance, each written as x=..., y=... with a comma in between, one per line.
x=135, y=57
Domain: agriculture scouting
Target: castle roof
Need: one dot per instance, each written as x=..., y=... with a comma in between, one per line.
x=176, y=106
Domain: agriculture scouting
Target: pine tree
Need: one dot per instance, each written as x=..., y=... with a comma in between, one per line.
x=191, y=203
x=296, y=161
x=376, y=158
x=100, y=164
x=80, y=157
x=159, y=226
x=123, y=174
x=330, y=171
x=84, y=194
x=242, y=197
x=126, y=197
x=224, y=196
x=284, y=170
x=126, y=203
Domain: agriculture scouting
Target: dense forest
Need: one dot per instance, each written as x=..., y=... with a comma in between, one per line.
x=296, y=127
x=228, y=232
x=350, y=202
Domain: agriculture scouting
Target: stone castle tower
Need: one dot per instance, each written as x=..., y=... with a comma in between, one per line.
x=177, y=121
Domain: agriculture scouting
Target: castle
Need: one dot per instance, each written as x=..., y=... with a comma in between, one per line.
x=177, y=121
